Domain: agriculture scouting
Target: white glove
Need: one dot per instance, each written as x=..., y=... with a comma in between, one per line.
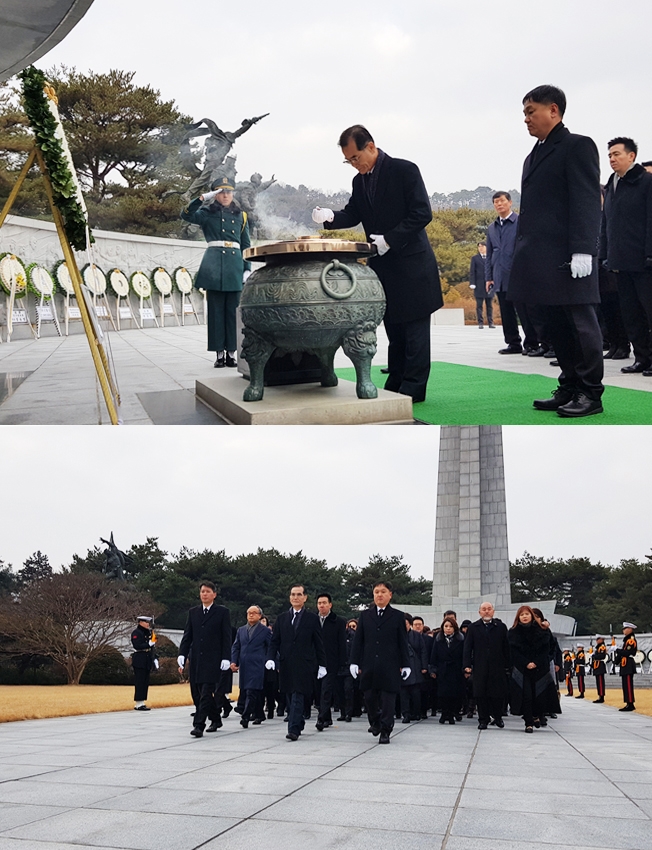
x=152, y=643
x=581, y=265
x=405, y=673
x=245, y=275
x=181, y=660
x=321, y=672
x=472, y=286
x=156, y=664
x=270, y=665
x=354, y=670
x=379, y=241
x=207, y=197
x=319, y=215
x=225, y=664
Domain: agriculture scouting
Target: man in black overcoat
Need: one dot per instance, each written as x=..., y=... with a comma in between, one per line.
x=297, y=639
x=381, y=658
x=486, y=658
x=390, y=199
x=483, y=294
x=333, y=632
x=555, y=259
x=207, y=638
x=626, y=246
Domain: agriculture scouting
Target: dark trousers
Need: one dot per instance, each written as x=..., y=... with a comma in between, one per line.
x=509, y=320
x=635, y=293
x=408, y=357
x=141, y=680
x=380, y=709
x=612, y=317
x=569, y=684
x=331, y=693
x=296, y=720
x=221, y=320
x=411, y=701
x=480, y=300
x=628, y=688
x=580, y=683
x=577, y=339
x=529, y=709
x=599, y=683
x=352, y=697
x=210, y=704
x=489, y=707
x=253, y=707
x=450, y=706
x=534, y=325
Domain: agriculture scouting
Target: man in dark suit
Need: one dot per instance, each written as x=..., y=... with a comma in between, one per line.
x=483, y=294
x=381, y=658
x=207, y=638
x=390, y=199
x=297, y=639
x=554, y=264
x=626, y=246
x=486, y=658
x=248, y=656
x=333, y=632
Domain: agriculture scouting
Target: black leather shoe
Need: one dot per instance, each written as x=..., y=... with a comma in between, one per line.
x=580, y=696
x=375, y=730
x=549, y=353
x=292, y=736
x=405, y=720
x=581, y=405
x=635, y=367
x=384, y=371
x=142, y=708
x=621, y=354
x=244, y=724
x=554, y=363
x=384, y=738
x=628, y=707
x=258, y=721
x=511, y=349
x=347, y=719
x=231, y=361
x=500, y=723
x=227, y=710
x=537, y=352
x=559, y=397
x=220, y=363
x=319, y=726
x=647, y=373
x=214, y=727
x=599, y=700
x=482, y=725
x=197, y=733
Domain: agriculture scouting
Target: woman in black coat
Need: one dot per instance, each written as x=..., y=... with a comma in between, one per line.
x=447, y=667
x=532, y=689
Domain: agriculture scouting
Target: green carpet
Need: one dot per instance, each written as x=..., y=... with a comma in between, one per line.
x=468, y=395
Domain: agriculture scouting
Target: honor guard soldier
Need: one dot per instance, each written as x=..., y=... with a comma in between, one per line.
x=580, y=670
x=628, y=665
x=143, y=659
x=599, y=667
x=568, y=672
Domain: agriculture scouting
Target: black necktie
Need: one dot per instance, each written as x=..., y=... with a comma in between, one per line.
x=205, y=611
x=380, y=613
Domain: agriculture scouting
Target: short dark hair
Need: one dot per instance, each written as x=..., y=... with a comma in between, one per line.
x=360, y=135
x=647, y=164
x=629, y=144
x=547, y=95
x=298, y=584
x=450, y=614
x=206, y=583
x=384, y=583
x=409, y=618
x=417, y=618
x=501, y=194
x=327, y=595
x=482, y=243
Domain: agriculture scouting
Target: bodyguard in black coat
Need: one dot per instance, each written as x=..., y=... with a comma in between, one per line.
x=207, y=638
x=380, y=656
x=297, y=639
x=554, y=262
x=486, y=656
x=390, y=199
x=333, y=632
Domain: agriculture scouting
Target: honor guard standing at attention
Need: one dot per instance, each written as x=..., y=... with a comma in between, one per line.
x=628, y=665
x=143, y=659
x=599, y=667
x=580, y=670
x=568, y=672
x=222, y=271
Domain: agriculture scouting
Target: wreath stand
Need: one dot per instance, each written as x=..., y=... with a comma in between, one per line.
x=100, y=300
x=42, y=315
x=93, y=333
x=15, y=315
x=166, y=308
x=188, y=309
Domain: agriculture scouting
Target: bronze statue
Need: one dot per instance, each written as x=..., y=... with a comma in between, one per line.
x=246, y=196
x=116, y=561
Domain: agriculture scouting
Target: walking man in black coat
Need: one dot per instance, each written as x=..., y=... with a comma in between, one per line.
x=380, y=657
x=555, y=259
x=390, y=199
x=207, y=638
x=297, y=639
x=483, y=294
x=486, y=657
x=626, y=246
x=333, y=632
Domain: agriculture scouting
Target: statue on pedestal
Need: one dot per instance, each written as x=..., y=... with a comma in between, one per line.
x=116, y=561
x=246, y=195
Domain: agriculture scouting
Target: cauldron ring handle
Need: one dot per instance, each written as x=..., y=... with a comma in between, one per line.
x=336, y=264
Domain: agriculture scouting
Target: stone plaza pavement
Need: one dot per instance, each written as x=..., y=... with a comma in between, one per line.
x=132, y=780
x=51, y=381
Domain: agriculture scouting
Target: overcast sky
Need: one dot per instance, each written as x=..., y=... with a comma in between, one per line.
x=435, y=81
x=342, y=494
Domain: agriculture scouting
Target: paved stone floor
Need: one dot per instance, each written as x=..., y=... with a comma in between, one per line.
x=51, y=381
x=129, y=780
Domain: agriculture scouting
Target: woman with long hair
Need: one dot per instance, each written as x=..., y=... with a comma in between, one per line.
x=532, y=689
x=446, y=667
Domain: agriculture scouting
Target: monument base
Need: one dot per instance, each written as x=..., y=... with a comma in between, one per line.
x=467, y=609
x=303, y=404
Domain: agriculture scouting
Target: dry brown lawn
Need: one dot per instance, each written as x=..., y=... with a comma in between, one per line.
x=614, y=696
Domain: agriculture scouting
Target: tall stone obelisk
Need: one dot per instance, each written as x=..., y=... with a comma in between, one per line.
x=471, y=555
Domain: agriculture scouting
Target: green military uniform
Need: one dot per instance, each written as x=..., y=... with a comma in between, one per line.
x=222, y=267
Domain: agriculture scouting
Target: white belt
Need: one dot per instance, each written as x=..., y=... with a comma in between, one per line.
x=224, y=245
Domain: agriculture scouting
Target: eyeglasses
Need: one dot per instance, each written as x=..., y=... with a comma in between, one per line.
x=354, y=160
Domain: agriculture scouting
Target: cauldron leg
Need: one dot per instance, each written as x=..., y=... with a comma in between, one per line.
x=359, y=345
x=256, y=350
x=326, y=357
